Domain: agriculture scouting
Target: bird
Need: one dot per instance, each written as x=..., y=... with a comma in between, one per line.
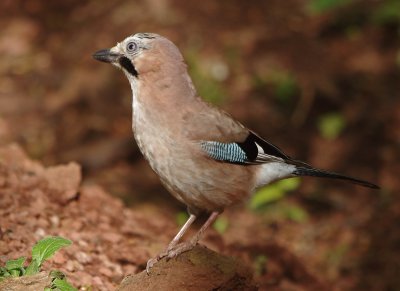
x=204, y=157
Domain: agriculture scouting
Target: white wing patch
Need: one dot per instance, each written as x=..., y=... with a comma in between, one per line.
x=259, y=148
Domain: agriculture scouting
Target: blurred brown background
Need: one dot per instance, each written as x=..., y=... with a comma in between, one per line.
x=318, y=78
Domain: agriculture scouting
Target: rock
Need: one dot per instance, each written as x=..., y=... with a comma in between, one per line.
x=26, y=283
x=198, y=269
x=64, y=180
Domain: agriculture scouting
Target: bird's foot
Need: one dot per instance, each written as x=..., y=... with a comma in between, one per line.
x=171, y=252
x=153, y=261
x=180, y=248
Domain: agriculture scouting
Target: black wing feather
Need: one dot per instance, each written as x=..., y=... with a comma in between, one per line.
x=249, y=146
x=253, y=150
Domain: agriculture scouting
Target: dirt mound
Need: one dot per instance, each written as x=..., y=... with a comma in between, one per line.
x=206, y=269
x=109, y=240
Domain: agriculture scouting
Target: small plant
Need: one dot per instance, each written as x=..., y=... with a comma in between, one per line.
x=259, y=264
x=181, y=217
x=321, y=6
x=41, y=251
x=221, y=224
x=331, y=125
x=202, y=72
x=273, y=193
x=387, y=12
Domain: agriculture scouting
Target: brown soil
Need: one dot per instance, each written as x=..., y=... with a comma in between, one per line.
x=109, y=240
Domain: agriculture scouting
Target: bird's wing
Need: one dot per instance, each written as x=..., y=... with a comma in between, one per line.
x=253, y=150
x=224, y=139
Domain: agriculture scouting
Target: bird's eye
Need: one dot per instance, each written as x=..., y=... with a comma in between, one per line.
x=131, y=47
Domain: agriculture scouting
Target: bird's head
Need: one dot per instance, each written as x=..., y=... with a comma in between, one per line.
x=141, y=53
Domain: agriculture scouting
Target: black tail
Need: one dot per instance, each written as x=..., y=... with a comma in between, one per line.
x=304, y=171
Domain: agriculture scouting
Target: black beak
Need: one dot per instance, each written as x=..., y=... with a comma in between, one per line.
x=106, y=56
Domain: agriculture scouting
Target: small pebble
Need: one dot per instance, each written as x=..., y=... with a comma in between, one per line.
x=83, y=257
x=40, y=233
x=55, y=221
x=106, y=272
x=70, y=266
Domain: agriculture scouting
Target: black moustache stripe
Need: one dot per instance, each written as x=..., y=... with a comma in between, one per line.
x=127, y=65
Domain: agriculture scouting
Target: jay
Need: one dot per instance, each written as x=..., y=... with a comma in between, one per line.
x=204, y=157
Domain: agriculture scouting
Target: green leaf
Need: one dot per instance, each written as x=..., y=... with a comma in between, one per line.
x=320, y=6
x=46, y=248
x=259, y=264
x=337, y=254
x=181, y=218
x=56, y=274
x=273, y=192
x=331, y=125
x=209, y=88
x=289, y=184
x=286, y=87
x=296, y=214
x=15, y=273
x=266, y=195
x=3, y=271
x=388, y=12
x=33, y=268
x=221, y=224
x=15, y=264
x=62, y=285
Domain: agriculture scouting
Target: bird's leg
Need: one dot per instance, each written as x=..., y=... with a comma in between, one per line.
x=181, y=232
x=187, y=246
x=172, y=244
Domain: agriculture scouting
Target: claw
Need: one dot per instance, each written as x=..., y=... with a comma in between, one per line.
x=170, y=253
x=153, y=261
x=181, y=248
x=150, y=264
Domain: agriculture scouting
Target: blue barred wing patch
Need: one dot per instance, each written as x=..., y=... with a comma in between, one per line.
x=252, y=151
x=227, y=152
